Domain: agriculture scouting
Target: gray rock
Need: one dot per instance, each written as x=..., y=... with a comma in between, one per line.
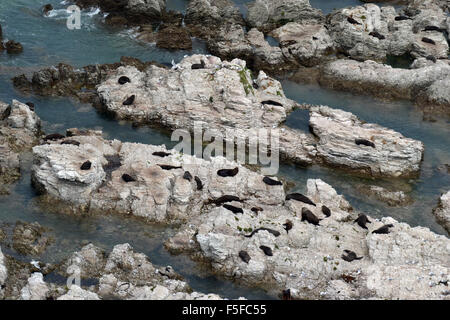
x=77, y=293
x=442, y=211
x=36, y=288
x=29, y=238
x=3, y=273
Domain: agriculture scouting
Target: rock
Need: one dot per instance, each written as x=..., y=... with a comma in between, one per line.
x=174, y=38
x=442, y=212
x=29, y=239
x=392, y=198
x=90, y=261
x=3, y=273
x=77, y=293
x=36, y=288
x=392, y=154
x=307, y=260
x=268, y=15
x=13, y=47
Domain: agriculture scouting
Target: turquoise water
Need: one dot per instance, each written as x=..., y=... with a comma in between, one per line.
x=47, y=41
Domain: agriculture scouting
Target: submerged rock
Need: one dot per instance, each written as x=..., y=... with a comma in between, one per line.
x=174, y=38
x=13, y=47
x=29, y=238
x=442, y=212
x=392, y=198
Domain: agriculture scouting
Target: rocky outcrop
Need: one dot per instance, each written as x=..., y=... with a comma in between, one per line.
x=308, y=259
x=442, y=212
x=370, y=32
x=391, y=198
x=77, y=293
x=36, y=288
x=174, y=38
x=426, y=83
x=346, y=141
x=3, y=273
x=30, y=238
x=267, y=15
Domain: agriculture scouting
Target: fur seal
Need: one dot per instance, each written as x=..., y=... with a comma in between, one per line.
x=362, y=220
x=228, y=172
x=352, y=21
x=274, y=232
x=123, y=80
x=168, y=167
x=272, y=182
x=54, y=137
x=377, y=35
x=6, y=113
x=30, y=105
x=286, y=294
x=384, y=229
x=300, y=197
x=402, y=18
x=364, y=142
x=310, y=217
x=129, y=101
x=255, y=86
x=271, y=102
x=161, y=154
x=326, y=211
x=73, y=142
x=224, y=199
x=86, y=165
x=432, y=28
x=349, y=256
x=256, y=209
x=244, y=256
x=200, y=65
x=288, y=225
x=431, y=58
x=199, y=183
x=187, y=176
x=127, y=178
x=428, y=40
x=233, y=208
x=267, y=251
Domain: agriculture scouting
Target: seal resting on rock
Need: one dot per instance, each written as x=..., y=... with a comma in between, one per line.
x=187, y=176
x=54, y=137
x=127, y=178
x=244, y=256
x=326, y=211
x=256, y=209
x=123, y=80
x=364, y=142
x=199, y=183
x=168, y=167
x=352, y=21
x=274, y=232
x=30, y=105
x=377, y=35
x=431, y=58
x=271, y=102
x=161, y=154
x=86, y=165
x=286, y=294
x=310, y=217
x=233, y=208
x=267, y=251
x=300, y=197
x=432, y=28
x=428, y=40
x=225, y=198
x=129, y=101
x=384, y=229
x=288, y=225
x=228, y=172
x=362, y=220
x=200, y=65
x=402, y=18
x=72, y=142
x=271, y=182
x=349, y=256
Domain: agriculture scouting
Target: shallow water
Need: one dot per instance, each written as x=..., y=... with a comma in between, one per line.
x=47, y=41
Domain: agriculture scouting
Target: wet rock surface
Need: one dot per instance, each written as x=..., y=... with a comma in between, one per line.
x=30, y=238
x=442, y=211
x=406, y=263
x=392, y=198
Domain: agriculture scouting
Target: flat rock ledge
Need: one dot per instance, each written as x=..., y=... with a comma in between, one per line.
x=406, y=263
x=442, y=212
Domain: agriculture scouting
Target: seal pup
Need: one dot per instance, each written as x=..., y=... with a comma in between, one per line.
x=30, y=105
x=228, y=172
x=54, y=137
x=199, y=183
x=384, y=229
x=271, y=102
x=86, y=165
x=244, y=256
x=223, y=199
x=352, y=21
x=127, y=178
x=256, y=209
x=326, y=211
x=402, y=18
x=428, y=40
x=187, y=176
x=310, y=217
x=233, y=208
x=274, y=232
x=362, y=220
x=288, y=225
x=73, y=142
x=168, y=167
x=300, y=197
x=267, y=251
x=364, y=142
x=200, y=65
x=272, y=182
x=161, y=154
x=129, y=101
x=349, y=256
x=377, y=35
x=123, y=80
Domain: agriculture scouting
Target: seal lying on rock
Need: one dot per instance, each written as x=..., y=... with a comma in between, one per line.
x=200, y=65
x=168, y=167
x=364, y=142
x=274, y=232
x=326, y=211
x=233, y=208
x=402, y=18
x=256, y=209
x=384, y=229
x=225, y=198
x=129, y=101
x=271, y=102
x=286, y=294
x=349, y=256
x=54, y=137
x=432, y=28
x=127, y=178
x=161, y=154
x=272, y=182
x=428, y=40
x=352, y=21
x=199, y=183
x=187, y=176
x=244, y=256
x=86, y=165
x=267, y=251
x=72, y=142
x=228, y=172
x=362, y=220
x=310, y=217
x=288, y=225
x=30, y=105
x=123, y=80
x=300, y=197
x=377, y=35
